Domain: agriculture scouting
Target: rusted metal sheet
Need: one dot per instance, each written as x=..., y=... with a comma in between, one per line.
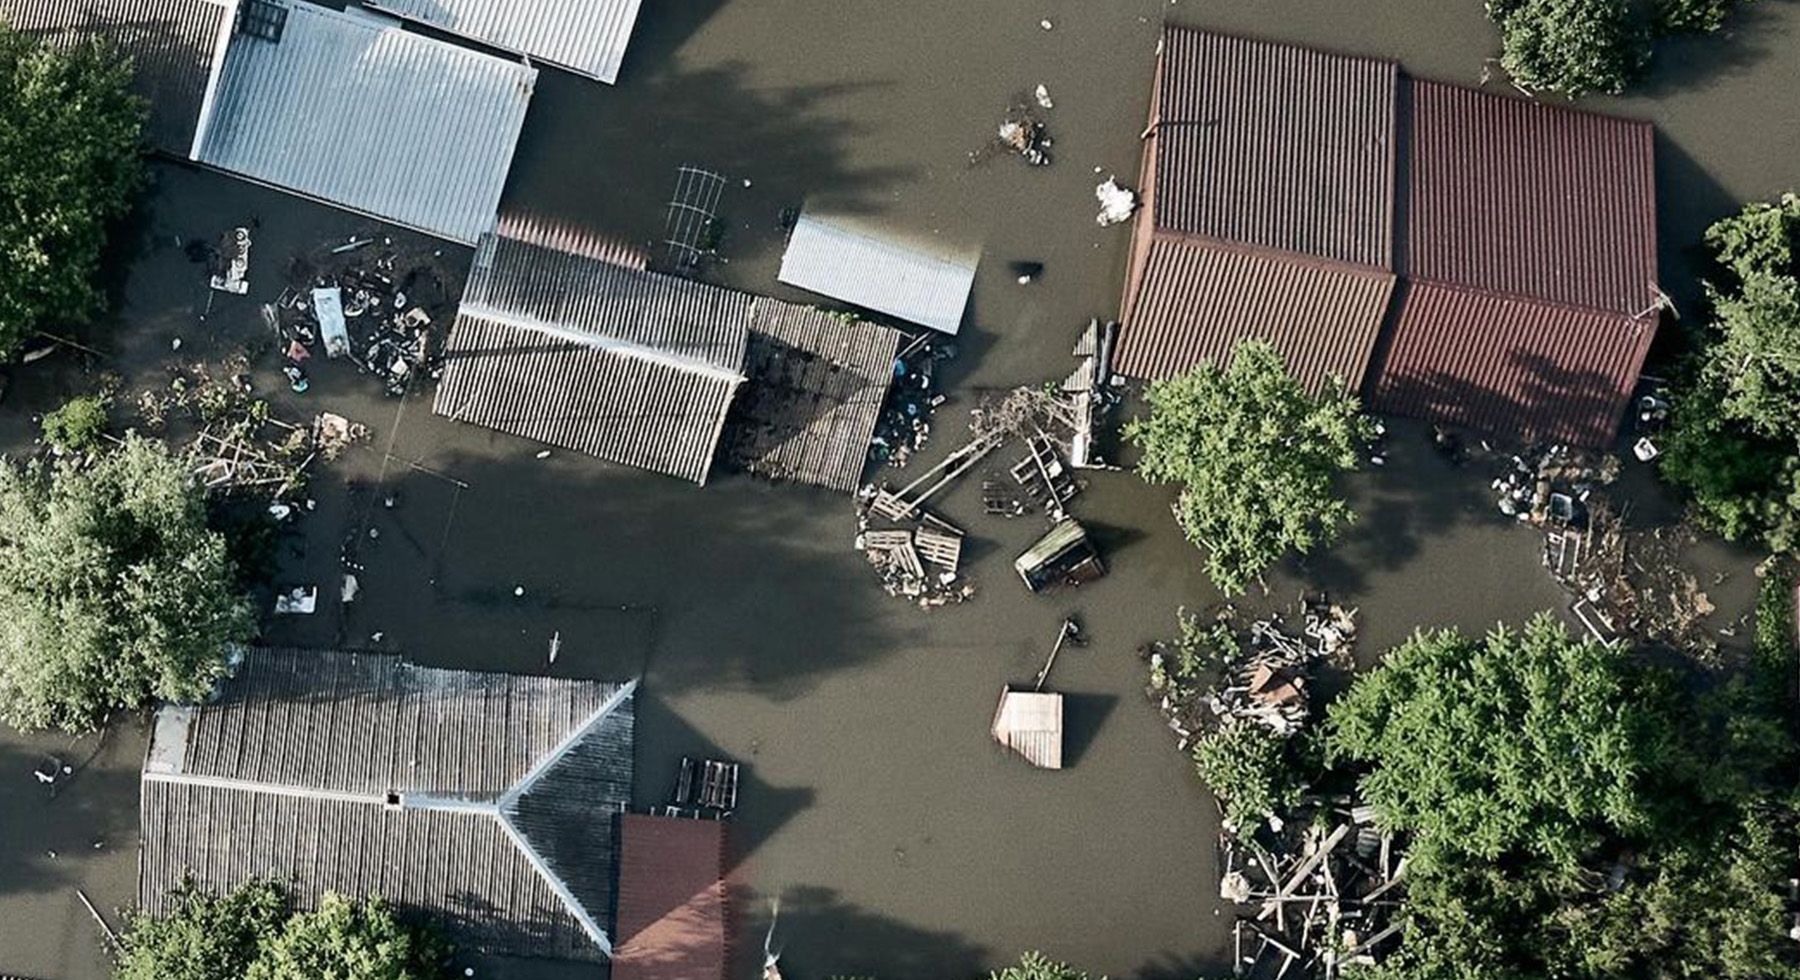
x=1197, y=300
x=1530, y=200
x=1276, y=146
x=1518, y=369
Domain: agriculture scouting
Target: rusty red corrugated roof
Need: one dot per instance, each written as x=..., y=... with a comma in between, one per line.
x=1516, y=368
x=1197, y=299
x=671, y=922
x=1530, y=200
x=1276, y=146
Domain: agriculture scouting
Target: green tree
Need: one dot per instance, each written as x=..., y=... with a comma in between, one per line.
x=112, y=589
x=1256, y=457
x=1251, y=771
x=1037, y=966
x=70, y=164
x=1573, y=47
x=1526, y=742
x=77, y=426
x=202, y=936
x=346, y=940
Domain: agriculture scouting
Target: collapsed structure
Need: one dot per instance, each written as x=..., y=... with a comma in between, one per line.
x=489, y=801
x=1461, y=257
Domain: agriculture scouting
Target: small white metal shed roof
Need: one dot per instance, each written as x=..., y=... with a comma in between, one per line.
x=348, y=108
x=839, y=260
x=587, y=37
x=1031, y=724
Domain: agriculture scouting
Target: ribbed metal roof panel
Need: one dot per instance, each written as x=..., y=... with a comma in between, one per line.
x=1276, y=146
x=672, y=904
x=524, y=281
x=351, y=109
x=634, y=410
x=585, y=37
x=171, y=44
x=1197, y=300
x=1523, y=370
x=833, y=258
x=1530, y=200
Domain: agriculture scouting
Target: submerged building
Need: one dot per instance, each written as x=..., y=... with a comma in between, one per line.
x=1457, y=256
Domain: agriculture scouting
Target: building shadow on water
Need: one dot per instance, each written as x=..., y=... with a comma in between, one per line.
x=818, y=934
x=1751, y=33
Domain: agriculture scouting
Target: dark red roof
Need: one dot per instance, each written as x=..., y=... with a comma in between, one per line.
x=1530, y=200
x=1198, y=299
x=671, y=922
x=1518, y=369
x=1275, y=146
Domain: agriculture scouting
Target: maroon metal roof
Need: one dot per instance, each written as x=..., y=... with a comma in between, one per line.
x=1519, y=369
x=1197, y=299
x=1276, y=146
x=671, y=922
x=1530, y=200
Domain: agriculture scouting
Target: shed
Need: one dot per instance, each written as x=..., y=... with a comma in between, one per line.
x=672, y=910
x=1268, y=208
x=1031, y=724
x=487, y=801
x=173, y=45
x=348, y=108
x=841, y=259
x=587, y=37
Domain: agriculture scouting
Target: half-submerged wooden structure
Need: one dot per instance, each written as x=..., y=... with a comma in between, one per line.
x=1031, y=724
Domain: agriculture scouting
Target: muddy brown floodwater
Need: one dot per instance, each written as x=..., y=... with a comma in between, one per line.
x=901, y=842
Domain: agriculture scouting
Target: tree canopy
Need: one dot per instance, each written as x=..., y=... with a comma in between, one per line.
x=251, y=934
x=69, y=166
x=1037, y=966
x=1579, y=47
x=1256, y=456
x=112, y=589
x=1734, y=442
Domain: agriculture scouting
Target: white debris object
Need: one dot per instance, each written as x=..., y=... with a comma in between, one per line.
x=1046, y=25
x=1116, y=203
x=1043, y=97
x=328, y=310
x=301, y=600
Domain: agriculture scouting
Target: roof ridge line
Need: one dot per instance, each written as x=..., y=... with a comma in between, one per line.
x=557, y=885
x=599, y=341
x=563, y=748
x=264, y=788
x=1648, y=316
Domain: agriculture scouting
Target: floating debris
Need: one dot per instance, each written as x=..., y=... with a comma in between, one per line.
x=1043, y=97
x=231, y=263
x=1116, y=203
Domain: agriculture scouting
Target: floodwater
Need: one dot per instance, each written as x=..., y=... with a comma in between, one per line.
x=900, y=841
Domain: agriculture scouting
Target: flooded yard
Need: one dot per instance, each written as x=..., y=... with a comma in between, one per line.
x=900, y=840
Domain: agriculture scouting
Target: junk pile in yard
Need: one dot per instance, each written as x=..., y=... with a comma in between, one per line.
x=229, y=263
x=905, y=422
x=1630, y=583
x=365, y=300
x=1314, y=896
x=1552, y=483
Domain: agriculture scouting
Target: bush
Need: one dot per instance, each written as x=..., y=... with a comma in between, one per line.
x=77, y=426
x=1248, y=767
x=1577, y=47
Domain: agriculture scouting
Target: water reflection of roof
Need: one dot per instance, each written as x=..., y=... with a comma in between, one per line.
x=487, y=800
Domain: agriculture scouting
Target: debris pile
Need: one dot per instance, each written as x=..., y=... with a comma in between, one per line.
x=905, y=422
x=1552, y=484
x=1021, y=133
x=366, y=300
x=230, y=263
x=917, y=559
x=1116, y=203
x=1630, y=583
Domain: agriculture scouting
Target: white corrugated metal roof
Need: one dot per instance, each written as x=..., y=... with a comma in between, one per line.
x=584, y=36
x=350, y=109
x=834, y=259
x=1031, y=724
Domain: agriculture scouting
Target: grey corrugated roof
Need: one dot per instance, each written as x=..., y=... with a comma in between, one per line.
x=629, y=366
x=817, y=384
x=833, y=258
x=350, y=109
x=508, y=791
x=171, y=43
x=584, y=36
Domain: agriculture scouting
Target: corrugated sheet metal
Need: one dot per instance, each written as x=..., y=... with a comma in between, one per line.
x=620, y=407
x=672, y=915
x=520, y=281
x=1522, y=370
x=1276, y=146
x=584, y=36
x=1531, y=200
x=171, y=44
x=1031, y=724
x=832, y=258
x=566, y=236
x=817, y=384
x=353, y=110
x=1198, y=300
x=504, y=826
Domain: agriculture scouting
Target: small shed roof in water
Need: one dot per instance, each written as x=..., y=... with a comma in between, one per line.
x=832, y=257
x=1031, y=724
x=587, y=37
x=488, y=800
x=348, y=108
x=172, y=45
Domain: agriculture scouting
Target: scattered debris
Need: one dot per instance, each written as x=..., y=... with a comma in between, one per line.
x=1116, y=203
x=1553, y=483
x=1630, y=582
x=918, y=558
x=703, y=788
x=1043, y=97
x=1021, y=132
x=231, y=263
x=905, y=422
x=301, y=600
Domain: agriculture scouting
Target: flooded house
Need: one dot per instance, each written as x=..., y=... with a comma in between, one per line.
x=489, y=802
x=1458, y=256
